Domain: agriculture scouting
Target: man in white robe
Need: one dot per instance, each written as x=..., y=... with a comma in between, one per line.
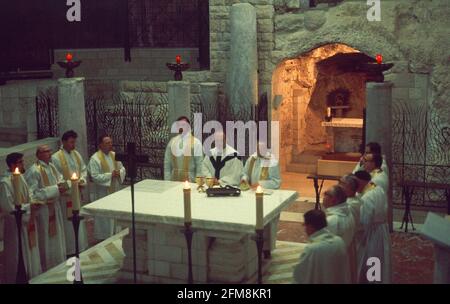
x=47, y=186
x=69, y=161
x=107, y=175
x=30, y=246
x=372, y=148
x=349, y=184
x=184, y=154
x=324, y=260
x=376, y=241
x=372, y=164
x=222, y=162
x=262, y=168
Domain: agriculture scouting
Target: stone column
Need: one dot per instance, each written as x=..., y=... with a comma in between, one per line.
x=242, y=76
x=379, y=126
x=71, y=111
x=179, y=100
x=209, y=92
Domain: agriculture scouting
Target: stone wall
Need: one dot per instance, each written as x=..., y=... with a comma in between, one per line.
x=146, y=63
x=18, y=110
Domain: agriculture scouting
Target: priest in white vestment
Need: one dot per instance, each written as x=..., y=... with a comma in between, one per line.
x=184, y=154
x=376, y=241
x=30, y=247
x=372, y=164
x=222, y=162
x=46, y=187
x=107, y=175
x=372, y=148
x=324, y=260
x=349, y=184
x=262, y=168
x=69, y=161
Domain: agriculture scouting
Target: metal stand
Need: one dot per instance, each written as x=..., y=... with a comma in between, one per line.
x=76, y=218
x=188, y=232
x=21, y=276
x=259, y=239
x=318, y=190
x=133, y=229
x=407, y=217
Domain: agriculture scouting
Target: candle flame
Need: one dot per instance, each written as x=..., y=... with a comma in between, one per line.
x=259, y=189
x=187, y=185
x=16, y=171
x=74, y=176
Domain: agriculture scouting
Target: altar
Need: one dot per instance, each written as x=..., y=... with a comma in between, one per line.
x=223, y=250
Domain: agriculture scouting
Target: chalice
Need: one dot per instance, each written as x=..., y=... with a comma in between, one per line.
x=200, y=180
x=210, y=182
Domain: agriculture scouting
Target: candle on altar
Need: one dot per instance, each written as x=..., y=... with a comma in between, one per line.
x=69, y=57
x=259, y=208
x=75, y=192
x=187, y=202
x=178, y=59
x=328, y=112
x=16, y=187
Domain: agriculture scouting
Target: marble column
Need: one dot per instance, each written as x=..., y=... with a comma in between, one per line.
x=242, y=76
x=379, y=126
x=209, y=92
x=179, y=101
x=71, y=111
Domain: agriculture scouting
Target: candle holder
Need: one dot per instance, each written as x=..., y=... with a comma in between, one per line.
x=328, y=118
x=21, y=275
x=76, y=218
x=178, y=68
x=259, y=239
x=69, y=66
x=188, y=232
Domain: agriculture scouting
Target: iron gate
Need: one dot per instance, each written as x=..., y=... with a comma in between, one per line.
x=47, y=113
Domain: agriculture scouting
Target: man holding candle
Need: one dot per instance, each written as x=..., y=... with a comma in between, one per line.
x=46, y=187
x=14, y=192
x=184, y=154
x=107, y=175
x=372, y=148
x=324, y=260
x=69, y=161
x=222, y=162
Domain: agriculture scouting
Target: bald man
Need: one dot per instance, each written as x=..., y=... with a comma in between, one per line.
x=46, y=186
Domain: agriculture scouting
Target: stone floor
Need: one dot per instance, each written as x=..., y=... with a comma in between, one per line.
x=412, y=255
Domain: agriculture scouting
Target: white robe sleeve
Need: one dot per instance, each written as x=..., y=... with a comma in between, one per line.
x=6, y=199
x=84, y=172
x=122, y=170
x=207, y=167
x=168, y=162
x=302, y=271
x=232, y=172
x=245, y=171
x=102, y=179
x=44, y=193
x=198, y=158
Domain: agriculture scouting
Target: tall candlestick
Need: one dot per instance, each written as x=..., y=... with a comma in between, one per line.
x=328, y=112
x=75, y=192
x=16, y=187
x=187, y=202
x=259, y=208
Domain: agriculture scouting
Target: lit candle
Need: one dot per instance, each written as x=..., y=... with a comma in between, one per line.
x=379, y=58
x=328, y=112
x=259, y=208
x=75, y=192
x=178, y=59
x=187, y=202
x=16, y=187
x=69, y=57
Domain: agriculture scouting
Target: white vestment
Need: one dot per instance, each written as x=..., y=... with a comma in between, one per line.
x=376, y=241
x=380, y=178
x=384, y=166
x=81, y=171
x=323, y=261
x=269, y=179
x=178, y=150
x=104, y=227
x=30, y=252
x=232, y=170
x=52, y=248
